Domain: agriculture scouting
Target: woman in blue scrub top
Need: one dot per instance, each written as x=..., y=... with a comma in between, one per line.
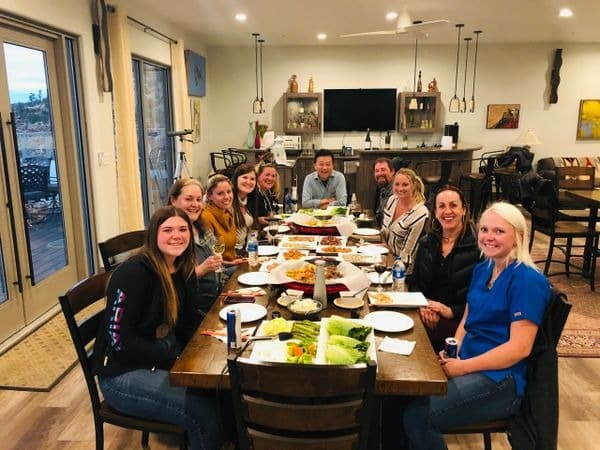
x=505, y=306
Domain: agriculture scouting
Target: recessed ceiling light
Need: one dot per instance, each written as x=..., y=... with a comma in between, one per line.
x=392, y=15
x=240, y=17
x=565, y=12
x=321, y=36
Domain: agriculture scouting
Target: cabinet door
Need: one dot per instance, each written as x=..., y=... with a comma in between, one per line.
x=302, y=113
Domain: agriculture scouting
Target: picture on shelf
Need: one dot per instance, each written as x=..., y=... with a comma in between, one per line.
x=588, y=123
x=503, y=116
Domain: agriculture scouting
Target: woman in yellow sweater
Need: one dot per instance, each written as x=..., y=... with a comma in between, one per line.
x=217, y=215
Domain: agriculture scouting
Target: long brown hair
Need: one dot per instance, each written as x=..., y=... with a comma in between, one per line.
x=238, y=215
x=434, y=225
x=184, y=263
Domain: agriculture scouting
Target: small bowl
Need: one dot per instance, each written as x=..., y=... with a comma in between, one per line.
x=348, y=302
x=302, y=312
x=364, y=223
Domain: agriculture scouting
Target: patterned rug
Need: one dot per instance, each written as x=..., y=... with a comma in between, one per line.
x=581, y=335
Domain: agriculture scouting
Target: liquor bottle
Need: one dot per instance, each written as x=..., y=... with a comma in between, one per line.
x=368, y=140
x=311, y=85
x=405, y=141
x=320, y=291
x=419, y=84
x=388, y=140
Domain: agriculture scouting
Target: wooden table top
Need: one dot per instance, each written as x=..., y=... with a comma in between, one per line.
x=204, y=358
x=590, y=195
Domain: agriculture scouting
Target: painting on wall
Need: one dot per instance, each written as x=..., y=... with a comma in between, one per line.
x=195, y=113
x=503, y=116
x=588, y=123
x=196, y=73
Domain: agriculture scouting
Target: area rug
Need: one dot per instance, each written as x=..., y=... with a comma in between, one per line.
x=40, y=360
x=581, y=334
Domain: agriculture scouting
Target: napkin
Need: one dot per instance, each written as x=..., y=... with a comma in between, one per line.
x=346, y=227
x=221, y=334
x=255, y=291
x=399, y=346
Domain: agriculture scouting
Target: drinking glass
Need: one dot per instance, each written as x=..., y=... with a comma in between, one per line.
x=380, y=268
x=218, y=249
x=272, y=230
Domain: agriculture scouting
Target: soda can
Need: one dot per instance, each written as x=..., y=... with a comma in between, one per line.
x=234, y=329
x=451, y=348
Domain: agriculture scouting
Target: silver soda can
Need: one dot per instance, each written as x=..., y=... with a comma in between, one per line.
x=451, y=348
x=234, y=329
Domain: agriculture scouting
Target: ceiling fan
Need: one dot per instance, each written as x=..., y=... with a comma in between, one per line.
x=404, y=25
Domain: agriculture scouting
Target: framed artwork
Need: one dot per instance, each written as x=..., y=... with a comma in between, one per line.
x=196, y=73
x=195, y=113
x=503, y=116
x=588, y=122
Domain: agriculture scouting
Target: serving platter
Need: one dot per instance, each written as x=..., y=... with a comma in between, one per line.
x=398, y=299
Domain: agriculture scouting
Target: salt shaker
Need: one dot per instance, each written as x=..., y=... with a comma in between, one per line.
x=320, y=292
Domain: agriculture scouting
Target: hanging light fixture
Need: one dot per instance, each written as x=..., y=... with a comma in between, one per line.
x=472, y=102
x=256, y=102
x=455, y=102
x=463, y=102
x=262, y=100
x=413, y=101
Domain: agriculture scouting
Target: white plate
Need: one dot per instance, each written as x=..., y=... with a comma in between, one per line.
x=400, y=299
x=366, y=232
x=386, y=277
x=267, y=250
x=249, y=312
x=349, y=302
x=280, y=228
x=389, y=321
x=254, y=278
x=373, y=250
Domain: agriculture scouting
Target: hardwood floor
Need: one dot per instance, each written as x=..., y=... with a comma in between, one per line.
x=61, y=419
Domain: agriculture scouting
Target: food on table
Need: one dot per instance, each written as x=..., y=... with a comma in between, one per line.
x=357, y=258
x=334, y=249
x=306, y=273
x=331, y=240
x=347, y=341
x=276, y=326
x=273, y=265
x=381, y=298
x=301, y=352
x=304, y=306
x=293, y=254
x=302, y=239
x=346, y=327
x=306, y=330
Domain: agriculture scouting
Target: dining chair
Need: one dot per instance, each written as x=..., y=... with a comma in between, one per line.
x=436, y=180
x=118, y=248
x=477, y=186
x=83, y=324
x=545, y=219
x=290, y=406
x=573, y=178
x=538, y=415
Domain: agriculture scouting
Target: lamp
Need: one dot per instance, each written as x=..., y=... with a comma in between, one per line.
x=256, y=102
x=413, y=101
x=262, y=100
x=528, y=139
x=455, y=102
x=472, y=103
x=463, y=102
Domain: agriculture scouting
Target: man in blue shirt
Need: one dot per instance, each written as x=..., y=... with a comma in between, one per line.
x=324, y=187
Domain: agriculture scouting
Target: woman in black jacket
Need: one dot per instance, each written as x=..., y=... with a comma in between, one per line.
x=443, y=265
x=150, y=316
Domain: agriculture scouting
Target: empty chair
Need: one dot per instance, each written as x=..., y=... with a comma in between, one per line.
x=234, y=157
x=573, y=178
x=437, y=180
x=118, y=248
x=83, y=331
x=293, y=406
x=478, y=185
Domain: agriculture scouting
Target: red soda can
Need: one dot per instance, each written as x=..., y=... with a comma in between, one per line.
x=451, y=348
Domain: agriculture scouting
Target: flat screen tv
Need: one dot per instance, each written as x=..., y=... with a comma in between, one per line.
x=359, y=109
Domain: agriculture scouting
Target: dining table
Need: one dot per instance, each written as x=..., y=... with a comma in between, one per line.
x=591, y=197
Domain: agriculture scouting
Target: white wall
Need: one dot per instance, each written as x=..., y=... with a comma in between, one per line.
x=505, y=74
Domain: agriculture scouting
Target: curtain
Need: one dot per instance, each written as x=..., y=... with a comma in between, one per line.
x=181, y=101
x=101, y=47
x=128, y=171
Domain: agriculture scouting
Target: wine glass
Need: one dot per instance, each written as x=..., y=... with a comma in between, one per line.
x=380, y=268
x=218, y=249
x=355, y=209
x=272, y=230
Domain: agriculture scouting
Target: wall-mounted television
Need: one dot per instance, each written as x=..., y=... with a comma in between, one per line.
x=359, y=109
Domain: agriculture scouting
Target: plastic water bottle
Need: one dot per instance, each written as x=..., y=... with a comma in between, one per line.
x=287, y=202
x=252, y=250
x=398, y=275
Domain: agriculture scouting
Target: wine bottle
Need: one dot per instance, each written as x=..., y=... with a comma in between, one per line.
x=419, y=83
x=388, y=140
x=368, y=140
x=405, y=141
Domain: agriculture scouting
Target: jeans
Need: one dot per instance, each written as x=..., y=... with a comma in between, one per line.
x=470, y=399
x=148, y=394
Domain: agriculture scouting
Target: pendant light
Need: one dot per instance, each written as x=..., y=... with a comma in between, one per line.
x=262, y=100
x=256, y=102
x=463, y=102
x=455, y=102
x=413, y=101
x=472, y=102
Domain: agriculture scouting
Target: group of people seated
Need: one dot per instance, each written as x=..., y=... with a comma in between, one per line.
x=481, y=285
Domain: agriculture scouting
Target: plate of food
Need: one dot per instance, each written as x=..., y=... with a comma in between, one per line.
x=389, y=321
x=292, y=254
x=398, y=299
x=358, y=258
x=325, y=241
x=299, y=242
x=333, y=249
x=303, y=272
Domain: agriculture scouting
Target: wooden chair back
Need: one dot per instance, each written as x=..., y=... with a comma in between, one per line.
x=83, y=330
x=575, y=177
x=118, y=248
x=291, y=406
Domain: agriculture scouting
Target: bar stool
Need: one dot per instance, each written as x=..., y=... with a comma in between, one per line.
x=479, y=184
x=434, y=182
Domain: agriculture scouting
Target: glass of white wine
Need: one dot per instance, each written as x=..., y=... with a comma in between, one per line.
x=218, y=249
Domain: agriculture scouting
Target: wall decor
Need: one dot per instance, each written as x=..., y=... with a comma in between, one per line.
x=195, y=113
x=588, y=123
x=555, y=76
x=196, y=73
x=503, y=116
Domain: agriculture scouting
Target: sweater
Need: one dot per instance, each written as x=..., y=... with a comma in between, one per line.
x=222, y=225
x=402, y=234
x=127, y=337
